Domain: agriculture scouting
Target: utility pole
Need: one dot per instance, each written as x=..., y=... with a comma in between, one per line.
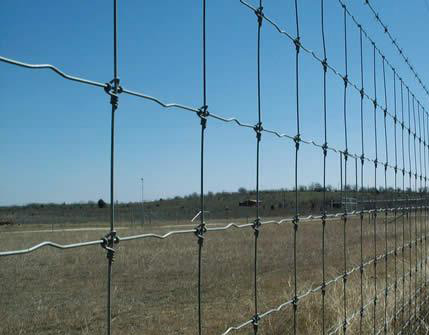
x=142, y=201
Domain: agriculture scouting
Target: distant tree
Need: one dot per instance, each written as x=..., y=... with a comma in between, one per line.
x=347, y=187
x=317, y=187
x=242, y=190
x=101, y=203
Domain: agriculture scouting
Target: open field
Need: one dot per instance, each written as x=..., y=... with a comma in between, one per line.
x=155, y=281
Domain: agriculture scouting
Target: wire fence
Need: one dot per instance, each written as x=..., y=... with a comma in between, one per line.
x=407, y=282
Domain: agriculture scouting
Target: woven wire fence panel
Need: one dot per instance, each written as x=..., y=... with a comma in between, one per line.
x=358, y=266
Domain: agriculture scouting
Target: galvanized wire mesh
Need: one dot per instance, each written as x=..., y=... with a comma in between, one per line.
x=410, y=208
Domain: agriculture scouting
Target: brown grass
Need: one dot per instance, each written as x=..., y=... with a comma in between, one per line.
x=155, y=281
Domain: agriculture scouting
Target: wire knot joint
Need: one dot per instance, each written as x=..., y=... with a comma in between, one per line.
x=258, y=130
x=297, y=140
x=362, y=159
x=325, y=64
x=325, y=149
x=113, y=88
x=255, y=321
x=203, y=113
x=295, y=302
x=346, y=80
x=295, y=221
x=260, y=15
x=256, y=225
x=200, y=230
x=297, y=42
x=345, y=276
x=108, y=242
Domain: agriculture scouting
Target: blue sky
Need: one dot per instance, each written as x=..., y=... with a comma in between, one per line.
x=55, y=134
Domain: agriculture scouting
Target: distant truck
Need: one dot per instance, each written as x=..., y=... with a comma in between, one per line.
x=6, y=222
x=350, y=204
x=249, y=203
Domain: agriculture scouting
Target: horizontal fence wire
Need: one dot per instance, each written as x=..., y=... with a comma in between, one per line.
x=234, y=120
x=410, y=211
x=213, y=227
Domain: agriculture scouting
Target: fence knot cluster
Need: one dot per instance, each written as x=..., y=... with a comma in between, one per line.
x=200, y=230
x=325, y=64
x=255, y=322
x=256, y=225
x=108, y=242
x=113, y=88
x=203, y=114
x=258, y=130
x=297, y=140
x=325, y=149
x=260, y=15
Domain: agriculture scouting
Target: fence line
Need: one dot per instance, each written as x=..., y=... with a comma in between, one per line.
x=418, y=130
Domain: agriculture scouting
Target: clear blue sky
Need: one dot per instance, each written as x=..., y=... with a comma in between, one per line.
x=54, y=134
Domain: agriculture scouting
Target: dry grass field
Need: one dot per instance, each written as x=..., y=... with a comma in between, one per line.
x=155, y=281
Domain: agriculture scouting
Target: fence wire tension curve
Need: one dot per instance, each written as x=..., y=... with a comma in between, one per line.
x=408, y=312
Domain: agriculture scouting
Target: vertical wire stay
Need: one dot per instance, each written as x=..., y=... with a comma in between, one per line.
x=425, y=146
x=362, y=161
x=202, y=114
x=325, y=152
x=396, y=195
x=421, y=204
x=409, y=213
x=112, y=88
x=415, y=211
x=426, y=200
x=404, y=210
x=419, y=251
x=258, y=129
x=345, y=79
x=418, y=218
x=385, y=189
x=297, y=140
x=342, y=202
x=375, y=191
